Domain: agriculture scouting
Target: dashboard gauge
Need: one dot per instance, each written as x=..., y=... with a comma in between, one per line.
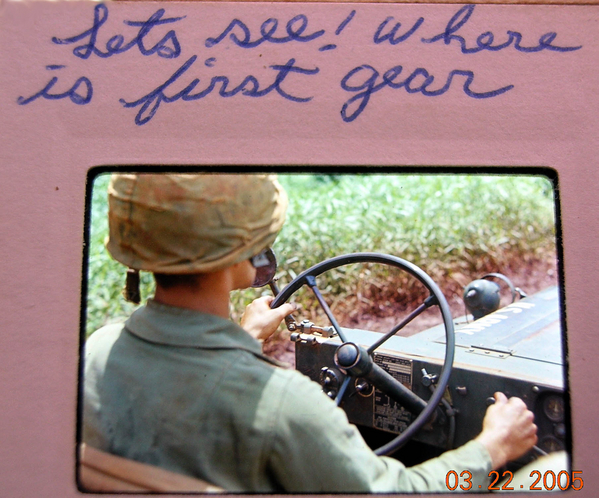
x=553, y=407
x=551, y=444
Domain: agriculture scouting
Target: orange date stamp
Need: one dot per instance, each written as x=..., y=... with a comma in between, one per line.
x=546, y=481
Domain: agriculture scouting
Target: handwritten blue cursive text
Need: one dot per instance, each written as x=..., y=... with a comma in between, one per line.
x=250, y=87
x=295, y=29
x=117, y=45
x=486, y=39
x=77, y=97
x=419, y=81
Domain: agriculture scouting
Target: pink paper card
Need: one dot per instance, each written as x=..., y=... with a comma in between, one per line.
x=305, y=85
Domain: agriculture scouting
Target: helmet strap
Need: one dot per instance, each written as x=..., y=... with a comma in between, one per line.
x=131, y=290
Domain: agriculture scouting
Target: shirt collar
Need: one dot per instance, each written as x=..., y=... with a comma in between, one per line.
x=169, y=325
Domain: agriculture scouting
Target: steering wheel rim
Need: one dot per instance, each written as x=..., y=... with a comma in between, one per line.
x=307, y=278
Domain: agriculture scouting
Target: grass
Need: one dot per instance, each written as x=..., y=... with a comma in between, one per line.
x=450, y=225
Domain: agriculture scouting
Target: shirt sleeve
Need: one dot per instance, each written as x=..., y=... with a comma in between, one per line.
x=97, y=349
x=315, y=449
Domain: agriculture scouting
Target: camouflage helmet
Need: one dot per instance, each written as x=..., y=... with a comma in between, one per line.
x=192, y=223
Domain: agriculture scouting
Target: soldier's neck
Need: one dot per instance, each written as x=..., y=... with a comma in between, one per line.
x=210, y=296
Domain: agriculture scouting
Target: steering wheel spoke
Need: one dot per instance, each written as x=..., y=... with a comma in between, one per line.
x=428, y=302
x=357, y=362
x=342, y=390
x=311, y=282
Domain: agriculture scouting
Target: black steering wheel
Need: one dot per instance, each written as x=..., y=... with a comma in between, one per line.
x=356, y=361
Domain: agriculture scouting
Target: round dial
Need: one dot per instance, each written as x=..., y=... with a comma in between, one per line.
x=553, y=407
x=551, y=444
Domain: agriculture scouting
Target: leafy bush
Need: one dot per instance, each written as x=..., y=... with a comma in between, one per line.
x=447, y=224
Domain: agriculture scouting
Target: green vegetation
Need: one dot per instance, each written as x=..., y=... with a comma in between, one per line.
x=449, y=225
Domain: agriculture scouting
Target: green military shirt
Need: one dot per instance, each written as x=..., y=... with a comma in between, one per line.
x=192, y=393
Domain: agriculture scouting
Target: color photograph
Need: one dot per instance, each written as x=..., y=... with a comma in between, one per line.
x=364, y=331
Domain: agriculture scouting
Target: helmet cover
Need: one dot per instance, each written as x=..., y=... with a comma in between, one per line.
x=192, y=223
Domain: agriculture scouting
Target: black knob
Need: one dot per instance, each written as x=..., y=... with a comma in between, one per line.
x=347, y=355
